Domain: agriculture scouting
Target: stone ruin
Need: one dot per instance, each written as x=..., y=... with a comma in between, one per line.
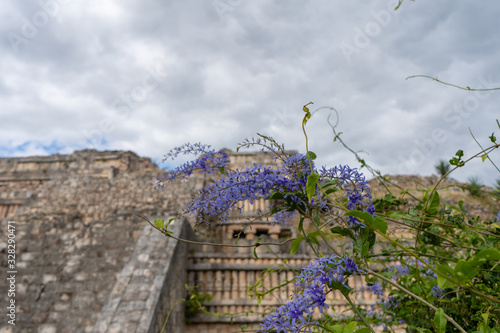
x=85, y=262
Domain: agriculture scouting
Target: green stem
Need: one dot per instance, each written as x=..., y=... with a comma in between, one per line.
x=324, y=238
x=169, y=312
x=305, y=135
x=163, y=231
x=355, y=309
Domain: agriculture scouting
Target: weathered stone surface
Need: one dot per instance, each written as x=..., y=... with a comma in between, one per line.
x=75, y=231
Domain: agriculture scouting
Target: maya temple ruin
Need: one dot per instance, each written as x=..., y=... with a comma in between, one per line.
x=85, y=262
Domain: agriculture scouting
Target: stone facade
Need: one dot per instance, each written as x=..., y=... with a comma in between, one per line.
x=76, y=230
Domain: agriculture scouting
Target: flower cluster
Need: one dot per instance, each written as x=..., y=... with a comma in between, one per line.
x=252, y=183
x=399, y=270
x=390, y=304
x=355, y=188
x=313, y=283
x=376, y=288
x=437, y=292
x=187, y=149
x=209, y=162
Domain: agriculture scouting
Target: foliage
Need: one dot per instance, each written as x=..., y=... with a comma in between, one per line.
x=194, y=302
x=442, y=168
x=474, y=186
x=444, y=278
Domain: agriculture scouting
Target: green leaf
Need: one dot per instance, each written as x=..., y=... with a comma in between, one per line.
x=311, y=185
x=306, y=118
x=349, y=328
x=444, y=283
x=360, y=215
x=377, y=223
x=312, y=155
x=295, y=245
x=484, y=157
x=484, y=325
x=380, y=225
x=159, y=223
x=493, y=138
x=300, y=228
x=434, y=204
x=336, y=328
x=440, y=321
x=169, y=221
x=332, y=190
x=339, y=286
x=311, y=237
x=486, y=254
x=361, y=246
x=398, y=215
x=276, y=196
x=342, y=231
x=465, y=271
x=458, y=160
x=329, y=183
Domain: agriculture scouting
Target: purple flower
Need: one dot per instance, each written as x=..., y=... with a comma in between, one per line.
x=288, y=185
x=317, y=296
x=313, y=283
x=389, y=302
x=283, y=216
x=355, y=188
x=437, y=292
x=498, y=215
x=222, y=196
x=290, y=317
x=399, y=271
x=186, y=149
x=210, y=162
x=377, y=289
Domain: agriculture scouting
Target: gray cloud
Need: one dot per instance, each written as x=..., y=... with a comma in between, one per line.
x=146, y=76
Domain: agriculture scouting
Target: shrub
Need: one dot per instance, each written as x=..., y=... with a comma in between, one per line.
x=449, y=274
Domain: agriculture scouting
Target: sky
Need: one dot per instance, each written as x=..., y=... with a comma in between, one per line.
x=146, y=76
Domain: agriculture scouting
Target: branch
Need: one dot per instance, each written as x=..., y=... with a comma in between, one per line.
x=452, y=85
x=257, y=244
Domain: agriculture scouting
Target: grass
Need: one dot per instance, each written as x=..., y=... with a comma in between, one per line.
x=474, y=186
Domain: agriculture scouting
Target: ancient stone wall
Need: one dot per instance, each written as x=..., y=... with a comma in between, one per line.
x=150, y=285
x=75, y=231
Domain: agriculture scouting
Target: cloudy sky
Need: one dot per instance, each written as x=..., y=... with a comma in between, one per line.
x=146, y=76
